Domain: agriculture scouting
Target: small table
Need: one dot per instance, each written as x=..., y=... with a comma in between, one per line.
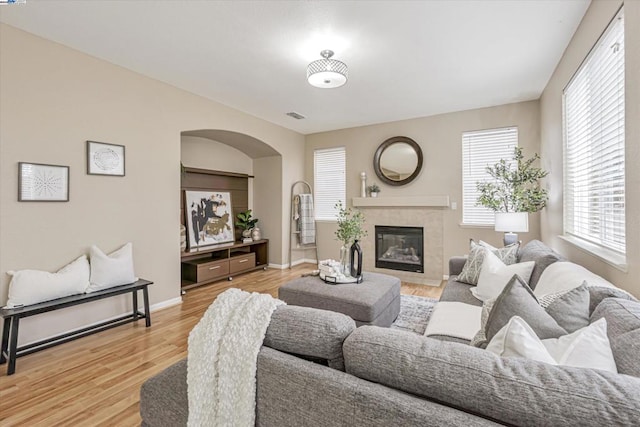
x=375, y=301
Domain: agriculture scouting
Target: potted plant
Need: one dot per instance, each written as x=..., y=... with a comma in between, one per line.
x=513, y=192
x=246, y=223
x=350, y=230
x=373, y=190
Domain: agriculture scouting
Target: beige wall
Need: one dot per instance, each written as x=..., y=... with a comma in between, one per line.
x=53, y=99
x=593, y=24
x=440, y=140
x=205, y=153
x=268, y=199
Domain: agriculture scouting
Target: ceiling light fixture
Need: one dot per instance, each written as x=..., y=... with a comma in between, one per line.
x=327, y=73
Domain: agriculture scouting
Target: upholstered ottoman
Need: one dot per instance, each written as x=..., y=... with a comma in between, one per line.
x=375, y=301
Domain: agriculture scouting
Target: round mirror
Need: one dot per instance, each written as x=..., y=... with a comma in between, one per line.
x=398, y=160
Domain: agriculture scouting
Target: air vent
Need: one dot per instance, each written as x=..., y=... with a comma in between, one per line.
x=295, y=115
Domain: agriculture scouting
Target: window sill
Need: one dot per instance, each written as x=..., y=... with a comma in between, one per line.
x=463, y=225
x=608, y=256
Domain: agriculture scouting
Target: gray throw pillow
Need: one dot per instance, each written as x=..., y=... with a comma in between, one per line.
x=543, y=256
x=571, y=309
x=598, y=293
x=471, y=270
x=517, y=299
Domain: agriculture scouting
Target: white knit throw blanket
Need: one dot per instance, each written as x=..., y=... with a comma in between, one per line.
x=222, y=359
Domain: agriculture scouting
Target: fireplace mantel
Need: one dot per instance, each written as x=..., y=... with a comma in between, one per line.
x=404, y=201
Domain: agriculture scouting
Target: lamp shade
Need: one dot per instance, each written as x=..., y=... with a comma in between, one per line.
x=516, y=222
x=327, y=73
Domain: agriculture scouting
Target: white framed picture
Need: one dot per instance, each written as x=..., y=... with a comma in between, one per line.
x=209, y=218
x=105, y=159
x=39, y=182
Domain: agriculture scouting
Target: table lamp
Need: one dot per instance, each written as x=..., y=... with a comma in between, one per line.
x=511, y=223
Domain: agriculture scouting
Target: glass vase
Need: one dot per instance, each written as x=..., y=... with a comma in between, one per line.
x=344, y=260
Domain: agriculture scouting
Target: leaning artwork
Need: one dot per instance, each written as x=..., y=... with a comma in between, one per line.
x=209, y=218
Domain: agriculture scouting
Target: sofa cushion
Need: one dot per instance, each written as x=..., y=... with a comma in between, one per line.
x=456, y=291
x=517, y=300
x=163, y=397
x=542, y=255
x=598, y=293
x=514, y=391
x=564, y=276
x=309, y=332
x=623, y=320
x=472, y=267
x=626, y=348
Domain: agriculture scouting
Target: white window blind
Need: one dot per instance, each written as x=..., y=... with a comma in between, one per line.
x=329, y=181
x=594, y=162
x=481, y=149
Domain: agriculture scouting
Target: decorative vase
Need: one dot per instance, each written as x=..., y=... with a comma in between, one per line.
x=344, y=259
x=355, y=257
x=255, y=234
x=374, y=194
x=246, y=234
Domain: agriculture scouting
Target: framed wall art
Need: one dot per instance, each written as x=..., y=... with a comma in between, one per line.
x=209, y=218
x=42, y=183
x=105, y=159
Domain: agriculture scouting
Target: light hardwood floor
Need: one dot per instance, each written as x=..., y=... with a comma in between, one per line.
x=95, y=381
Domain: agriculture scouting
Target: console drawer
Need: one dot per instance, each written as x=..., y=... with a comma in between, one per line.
x=199, y=271
x=242, y=262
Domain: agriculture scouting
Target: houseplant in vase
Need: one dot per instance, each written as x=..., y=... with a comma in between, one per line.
x=246, y=223
x=350, y=230
x=373, y=190
x=513, y=192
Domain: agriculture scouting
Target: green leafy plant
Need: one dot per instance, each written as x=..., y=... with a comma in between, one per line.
x=373, y=188
x=350, y=225
x=245, y=220
x=515, y=187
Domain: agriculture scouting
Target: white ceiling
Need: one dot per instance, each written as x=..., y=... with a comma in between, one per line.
x=406, y=58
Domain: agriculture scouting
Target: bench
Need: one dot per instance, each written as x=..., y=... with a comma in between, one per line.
x=10, y=350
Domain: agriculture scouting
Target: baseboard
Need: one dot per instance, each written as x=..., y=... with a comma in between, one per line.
x=279, y=266
x=296, y=262
x=165, y=304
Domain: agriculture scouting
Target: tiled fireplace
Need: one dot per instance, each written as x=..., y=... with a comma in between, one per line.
x=429, y=220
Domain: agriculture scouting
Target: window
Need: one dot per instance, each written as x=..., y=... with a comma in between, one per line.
x=481, y=149
x=329, y=181
x=594, y=163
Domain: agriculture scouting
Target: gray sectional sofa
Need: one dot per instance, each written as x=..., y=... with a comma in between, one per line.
x=317, y=369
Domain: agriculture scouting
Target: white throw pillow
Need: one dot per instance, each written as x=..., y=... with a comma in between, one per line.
x=111, y=270
x=564, y=276
x=33, y=286
x=587, y=347
x=495, y=274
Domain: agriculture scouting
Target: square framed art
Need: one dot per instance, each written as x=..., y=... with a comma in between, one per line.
x=209, y=218
x=39, y=182
x=105, y=159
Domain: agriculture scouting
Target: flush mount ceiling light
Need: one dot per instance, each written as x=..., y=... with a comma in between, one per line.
x=327, y=73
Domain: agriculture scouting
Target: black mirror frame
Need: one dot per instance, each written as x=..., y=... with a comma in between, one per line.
x=389, y=142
